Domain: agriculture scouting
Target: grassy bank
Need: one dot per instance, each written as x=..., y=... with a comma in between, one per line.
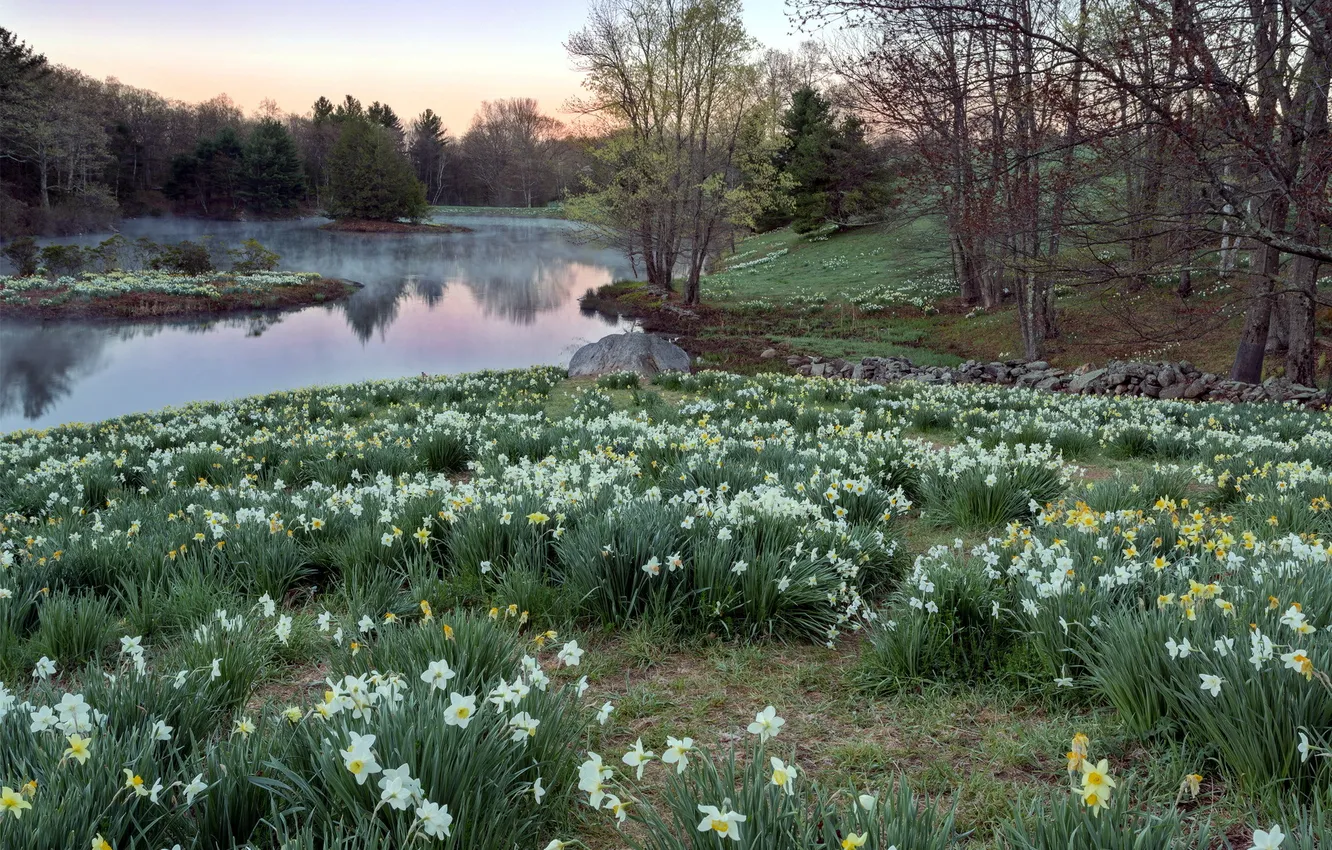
x=467, y=609
x=888, y=290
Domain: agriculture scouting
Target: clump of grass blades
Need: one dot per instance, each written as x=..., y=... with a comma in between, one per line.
x=620, y=381
x=945, y=635
x=981, y=498
x=801, y=816
x=74, y=627
x=1064, y=822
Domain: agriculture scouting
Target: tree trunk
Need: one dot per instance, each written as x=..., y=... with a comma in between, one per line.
x=1248, y=366
x=1300, y=304
x=43, y=167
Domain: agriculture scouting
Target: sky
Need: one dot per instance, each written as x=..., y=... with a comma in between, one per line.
x=448, y=55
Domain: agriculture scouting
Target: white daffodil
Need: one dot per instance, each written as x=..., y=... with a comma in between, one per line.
x=766, y=724
x=638, y=757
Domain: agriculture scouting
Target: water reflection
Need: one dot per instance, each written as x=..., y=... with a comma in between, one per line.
x=39, y=366
x=501, y=297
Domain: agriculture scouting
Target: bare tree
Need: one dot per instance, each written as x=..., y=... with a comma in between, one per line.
x=674, y=81
x=1214, y=111
x=509, y=148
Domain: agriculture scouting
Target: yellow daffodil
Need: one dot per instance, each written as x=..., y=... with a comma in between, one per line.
x=12, y=802
x=78, y=748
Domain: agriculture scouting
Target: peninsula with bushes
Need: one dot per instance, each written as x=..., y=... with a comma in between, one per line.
x=120, y=279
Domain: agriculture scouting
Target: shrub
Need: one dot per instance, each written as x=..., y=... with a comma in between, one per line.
x=23, y=253
x=252, y=257
x=185, y=257
x=62, y=260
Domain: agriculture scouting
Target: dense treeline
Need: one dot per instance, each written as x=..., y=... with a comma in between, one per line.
x=1121, y=143
x=1176, y=145
x=76, y=153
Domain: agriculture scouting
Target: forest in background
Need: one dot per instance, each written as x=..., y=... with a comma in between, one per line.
x=77, y=153
x=1128, y=147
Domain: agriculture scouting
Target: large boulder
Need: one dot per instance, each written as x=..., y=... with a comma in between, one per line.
x=646, y=354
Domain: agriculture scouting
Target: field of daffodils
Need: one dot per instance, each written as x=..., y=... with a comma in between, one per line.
x=413, y=612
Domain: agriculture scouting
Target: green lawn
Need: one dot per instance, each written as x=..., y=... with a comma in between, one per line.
x=853, y=294
x=782, y=265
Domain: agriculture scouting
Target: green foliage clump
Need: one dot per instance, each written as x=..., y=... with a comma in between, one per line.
x=23, y=253
x=273, y=177
x=252, y=257
x=62, y=260
x=186, y=257
x=370, y=178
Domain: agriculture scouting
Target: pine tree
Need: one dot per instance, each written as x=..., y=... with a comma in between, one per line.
x=211, y=176
x=810, y=131
x=837, y=175
x=349, y=110
x=370, y=178
x=322, y=110
x=274, y=179
x=383, y=115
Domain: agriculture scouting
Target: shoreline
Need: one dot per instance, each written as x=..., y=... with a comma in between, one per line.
x=356, y=225
x=705, y=330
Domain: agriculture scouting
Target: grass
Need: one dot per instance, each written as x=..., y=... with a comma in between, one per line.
x=836, y=266
x=990, y=744
x=900, y=340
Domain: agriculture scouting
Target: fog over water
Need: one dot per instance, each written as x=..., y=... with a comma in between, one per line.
x=504, y=296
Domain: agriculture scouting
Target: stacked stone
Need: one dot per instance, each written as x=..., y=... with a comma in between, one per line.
x=1164, y=380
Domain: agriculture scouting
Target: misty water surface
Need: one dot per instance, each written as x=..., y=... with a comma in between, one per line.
x=504, y=296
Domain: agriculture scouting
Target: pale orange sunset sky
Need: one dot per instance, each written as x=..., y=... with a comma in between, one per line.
x=448, y=55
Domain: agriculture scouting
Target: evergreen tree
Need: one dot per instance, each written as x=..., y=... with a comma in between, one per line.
x=858, y=184
x=836, y=174
x=427, y=152
x=212, y=175
x=19, y=65
x=274, y=179
x=322, y=110
x=370, y=178
x=350, y=109
x=809, y=130
x=383, y=115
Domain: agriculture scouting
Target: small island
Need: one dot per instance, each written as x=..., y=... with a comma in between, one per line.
x=68, y=281
x=366, y=225
x=157, y=294
x=372, y=187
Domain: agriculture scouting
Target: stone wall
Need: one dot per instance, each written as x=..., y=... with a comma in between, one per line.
x=1165, y=380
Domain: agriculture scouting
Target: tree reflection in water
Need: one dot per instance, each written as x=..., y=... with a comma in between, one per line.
x=500, y=297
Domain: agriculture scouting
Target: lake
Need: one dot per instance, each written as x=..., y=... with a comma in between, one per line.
x=504, y=296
